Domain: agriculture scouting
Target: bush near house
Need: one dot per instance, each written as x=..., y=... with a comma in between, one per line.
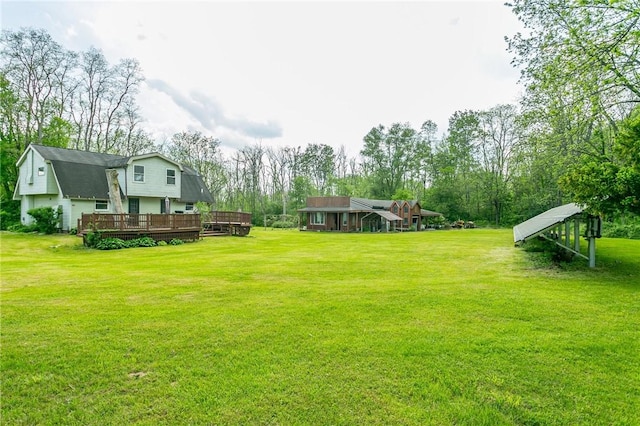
x=47, y=219
x=117, y=243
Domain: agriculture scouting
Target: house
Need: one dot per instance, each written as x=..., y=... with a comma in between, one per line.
x=349, y=214
x=79, y=181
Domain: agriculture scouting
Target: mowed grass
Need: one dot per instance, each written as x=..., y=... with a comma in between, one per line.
x=288, y=327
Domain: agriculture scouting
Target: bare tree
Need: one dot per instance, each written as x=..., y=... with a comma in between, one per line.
x=37, y=69
x=202, y=153
x=499, y=139
x=100, y=103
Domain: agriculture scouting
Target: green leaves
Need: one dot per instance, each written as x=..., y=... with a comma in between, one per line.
x=392, y=157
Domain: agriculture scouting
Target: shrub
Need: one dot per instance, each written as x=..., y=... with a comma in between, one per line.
x=615, y=230
x=176, y=242
x=18, y=227
x=9, y=214
x=162, y=243
x=141, y=242
x=93, y=238
x=46, y=219
x=283, y=224
x=281, y=221
x=111, y=244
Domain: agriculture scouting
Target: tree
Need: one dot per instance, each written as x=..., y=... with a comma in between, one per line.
x=10, y=139
x=57, y=133
x=130, y=139
x=499, y=138
x=580, y=43
x=280, y=161
x=579, y=61
x=202, y=153
x=101, y=101
x=36, y=68
x=454, y=186
x=318, y=164
x=610, y=184
x=391, y=157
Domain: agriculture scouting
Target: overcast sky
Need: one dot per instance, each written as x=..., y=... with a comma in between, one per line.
x=293, y=73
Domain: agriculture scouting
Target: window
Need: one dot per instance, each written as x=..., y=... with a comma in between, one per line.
x=171, y=177
x=345, y=219
x=41, y=171
x=138, y=173
x=102, y=205
x=406, y=209
x=188, y=206
x=395, y=209
x=317, y=218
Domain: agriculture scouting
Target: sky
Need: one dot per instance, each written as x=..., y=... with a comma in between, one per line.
x=293, y=73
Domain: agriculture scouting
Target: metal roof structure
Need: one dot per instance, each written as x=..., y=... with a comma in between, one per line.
x=388, y=215
x=544, y=221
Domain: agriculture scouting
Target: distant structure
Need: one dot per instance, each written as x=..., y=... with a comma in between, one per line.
x=350, y=214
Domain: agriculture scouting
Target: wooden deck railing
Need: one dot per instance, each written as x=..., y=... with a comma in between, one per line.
x=240, y=218
x=128, y=221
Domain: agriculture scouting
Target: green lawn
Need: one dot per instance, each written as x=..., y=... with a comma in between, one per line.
x=289, y=327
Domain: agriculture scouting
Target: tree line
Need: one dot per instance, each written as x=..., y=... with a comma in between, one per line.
x=574, y=136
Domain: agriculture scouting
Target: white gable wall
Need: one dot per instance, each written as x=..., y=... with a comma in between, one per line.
x=36, y=176
x=155, y=179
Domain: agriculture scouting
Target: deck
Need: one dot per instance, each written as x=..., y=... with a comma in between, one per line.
x=226, y=223
x=164, y=227
x=126, y=226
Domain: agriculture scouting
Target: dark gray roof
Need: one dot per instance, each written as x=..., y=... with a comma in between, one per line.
x=81, y=174
x=380, y=204
x=371, y=204
x=81, y=180
x=76, y=156
x=193, y=188
x=544, y=221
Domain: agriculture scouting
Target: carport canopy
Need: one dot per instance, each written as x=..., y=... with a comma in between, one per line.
x=387, y=215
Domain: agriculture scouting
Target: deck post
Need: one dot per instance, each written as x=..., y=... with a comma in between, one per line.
x=592, y=251
x=567, y=234
x=576, y=234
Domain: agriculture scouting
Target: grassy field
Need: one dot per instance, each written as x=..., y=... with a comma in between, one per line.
x=288, y=327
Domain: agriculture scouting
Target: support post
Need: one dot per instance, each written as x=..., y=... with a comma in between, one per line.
x=567, y=234
x=576, y=235
x=592, y=252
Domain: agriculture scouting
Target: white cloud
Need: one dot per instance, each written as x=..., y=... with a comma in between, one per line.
x=292, y=73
